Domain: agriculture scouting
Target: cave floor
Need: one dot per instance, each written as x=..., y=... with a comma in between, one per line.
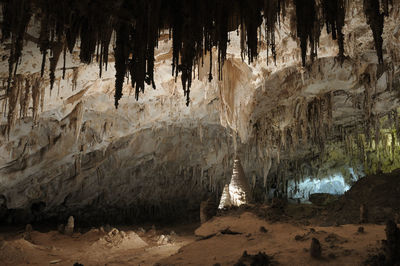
x=211, y=243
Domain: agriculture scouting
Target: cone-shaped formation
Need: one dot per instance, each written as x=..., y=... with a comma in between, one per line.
x=239, y=189
x=225, y=201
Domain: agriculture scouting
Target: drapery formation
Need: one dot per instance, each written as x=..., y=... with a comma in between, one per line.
x=195, y=28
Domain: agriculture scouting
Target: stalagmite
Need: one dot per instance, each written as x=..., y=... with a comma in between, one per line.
x=69, y=228
x=391, y=245
x=27, y=233
x=225, y=201
x=239, y=189
x=315, y=249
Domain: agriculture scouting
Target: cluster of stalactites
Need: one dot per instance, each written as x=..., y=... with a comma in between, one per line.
x=27, y=93
x=195, y=28
x=376, y=145
x=311, y=121
x=375, y=11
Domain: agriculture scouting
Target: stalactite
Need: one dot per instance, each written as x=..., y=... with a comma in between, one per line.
x=306, y=19
x=56, y=49
x=25, y=98
x=13, y=100
x=196, y=28
x=272, y=10
x=334, y=13
x=267, y=168
x=16, y=17
x=36, y=95
x=375, y=19
x=377, y=132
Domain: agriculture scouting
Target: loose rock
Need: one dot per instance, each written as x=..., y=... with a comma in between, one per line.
x=259, y=259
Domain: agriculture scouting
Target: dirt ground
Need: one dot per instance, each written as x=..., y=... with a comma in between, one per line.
x=221, y=240
x=94, y=247
x=288, y=244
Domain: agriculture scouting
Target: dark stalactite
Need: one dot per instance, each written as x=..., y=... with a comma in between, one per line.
x=375, y=20
x=56, y=49
x=334, y=13
x=16, y=16
x=120, y=54
x=196, y=27
x=272, y=10
x=306, y=19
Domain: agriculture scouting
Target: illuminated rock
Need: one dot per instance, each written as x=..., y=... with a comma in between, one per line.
x=239, y=189
x=225, y=201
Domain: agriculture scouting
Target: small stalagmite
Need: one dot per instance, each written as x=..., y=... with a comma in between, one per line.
x=28, y=231
x=225, y=201
x=69, y=228
x=239, y=189
x=315, y=249
x=391, y=245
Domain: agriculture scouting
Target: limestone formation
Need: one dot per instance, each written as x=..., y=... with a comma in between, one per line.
x=207, y=209
x=28, y=231
x=69, y=228
x=315, y=249
x=391, y=245
x=225, y=201
x=164, y=239
x=239, y=189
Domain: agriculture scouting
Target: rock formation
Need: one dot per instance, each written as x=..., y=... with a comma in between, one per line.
x=239, y=189
x=208, y=209
x=28, y=231
x=315, y=248
x=391, y=246
x=225, y=201
x=69, y=228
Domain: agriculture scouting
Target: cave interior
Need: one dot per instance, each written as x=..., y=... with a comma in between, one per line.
x=214, y=132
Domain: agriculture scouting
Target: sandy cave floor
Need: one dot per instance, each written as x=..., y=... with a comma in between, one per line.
x=287, y=242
